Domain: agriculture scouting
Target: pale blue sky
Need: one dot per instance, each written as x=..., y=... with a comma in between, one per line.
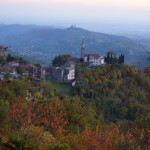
x=84, y=13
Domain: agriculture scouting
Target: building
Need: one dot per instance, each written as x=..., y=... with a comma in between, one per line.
x=72, y=61
x=69, y=74
x=2, y=76
x=65, y=74
x=13, y=63
x=31, y=69
x=14, y=73
x=43, y=71
x=58, y=73
x=147, y=70
x=94, y=59
x=3, y=49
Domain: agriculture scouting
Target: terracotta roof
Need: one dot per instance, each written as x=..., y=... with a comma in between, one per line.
x=13, y=62
x=30, y=65
x=73, y=59
x=96, y=56
x=147, y=70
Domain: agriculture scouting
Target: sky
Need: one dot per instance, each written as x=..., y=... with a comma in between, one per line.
x=90, y=14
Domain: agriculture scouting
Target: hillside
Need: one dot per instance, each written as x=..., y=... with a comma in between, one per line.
x=107, y=109
x=41, y=44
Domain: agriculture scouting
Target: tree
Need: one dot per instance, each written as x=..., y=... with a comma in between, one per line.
x=3, y=49
x=7, y=76
x=22, y=61
x=60, y=60
x=20, y=69
x=38, y=65
x=121, y=59
x=78, y=115
x=45, y=113
x=111, y=58
x=37, y=138
x=110, y=139
x=10, y=58
x=2, y=59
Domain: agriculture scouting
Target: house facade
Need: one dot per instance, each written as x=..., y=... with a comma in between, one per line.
x=64, y=74
x=31, y=69
x=94, y=59
x=58, y=73
x=69, y=74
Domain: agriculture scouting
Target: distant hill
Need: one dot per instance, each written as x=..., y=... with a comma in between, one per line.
x=41, y=43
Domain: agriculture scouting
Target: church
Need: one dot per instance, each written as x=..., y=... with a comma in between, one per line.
x=93, y=59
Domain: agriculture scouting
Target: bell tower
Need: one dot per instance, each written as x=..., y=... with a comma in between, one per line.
x=82, y=50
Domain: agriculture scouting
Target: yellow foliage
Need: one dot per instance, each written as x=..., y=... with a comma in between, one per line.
x=52, y=94
x=38, y=94
x=37, y=138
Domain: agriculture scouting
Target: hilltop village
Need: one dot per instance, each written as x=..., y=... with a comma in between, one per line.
x=62, y=68
x=90, y=100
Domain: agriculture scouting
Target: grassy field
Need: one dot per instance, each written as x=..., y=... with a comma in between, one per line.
x=58, y=86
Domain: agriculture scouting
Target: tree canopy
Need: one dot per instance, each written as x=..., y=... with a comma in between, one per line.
x=60, y=60
x=108, y=108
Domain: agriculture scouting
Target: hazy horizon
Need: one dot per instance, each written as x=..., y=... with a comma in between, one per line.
x=96, y=15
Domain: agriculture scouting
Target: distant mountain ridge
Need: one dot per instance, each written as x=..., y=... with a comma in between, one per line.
x=42, y=43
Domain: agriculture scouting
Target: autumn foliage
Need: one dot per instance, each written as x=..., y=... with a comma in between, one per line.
x=111, y=139
x=43, y=113
x=107, y=109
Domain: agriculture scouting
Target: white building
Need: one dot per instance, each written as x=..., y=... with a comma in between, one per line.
x=64, y=73
x=1, y=76
x=14, y=73
x=94, y=59
x=69, y=73
x=13, y=63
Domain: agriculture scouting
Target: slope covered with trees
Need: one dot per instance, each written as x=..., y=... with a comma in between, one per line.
x=108, y=108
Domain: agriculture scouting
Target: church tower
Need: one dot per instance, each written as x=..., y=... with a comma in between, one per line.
x=82, y=50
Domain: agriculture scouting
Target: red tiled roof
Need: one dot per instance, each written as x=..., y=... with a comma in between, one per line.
x=96, y=56
x=12, y=62
x=30, y=65
x=147, y=70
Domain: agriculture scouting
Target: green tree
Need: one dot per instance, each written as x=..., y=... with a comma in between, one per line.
x=7, y=76
x=20, y=69
x=60, y=60
x=121, y=59
x=2, y=60
x=10, y=58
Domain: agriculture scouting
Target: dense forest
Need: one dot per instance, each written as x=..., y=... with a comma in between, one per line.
x=107, y=109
